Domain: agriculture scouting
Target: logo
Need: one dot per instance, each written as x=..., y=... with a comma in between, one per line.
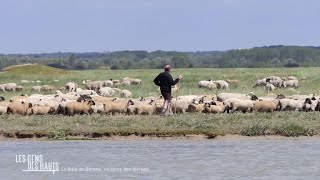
x=36, y=163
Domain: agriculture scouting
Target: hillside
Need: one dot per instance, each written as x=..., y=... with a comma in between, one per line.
x=258, y=57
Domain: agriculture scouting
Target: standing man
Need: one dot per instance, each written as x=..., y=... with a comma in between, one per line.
x=165, y=81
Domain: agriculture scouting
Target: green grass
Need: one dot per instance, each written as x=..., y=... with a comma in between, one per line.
x=60, y=127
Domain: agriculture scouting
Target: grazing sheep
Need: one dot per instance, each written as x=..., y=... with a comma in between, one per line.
x=221, y=84
x=260, y=82
x=73, y=108
x=290, y=83
x=117, y=90
x=276, y=83
x=19, y=88
x=107, y=83
x=207, y=84
x=265, y=106
x=71, y=87
x=270, y=87
x=18, y=108
x=233, y=81
x=24, y=81
x=125, y=94
x=8, y=87
x=46, y=88
x=106, y=91
x=92, y=85
x=126, y=83
x=148, y=109
x=36, y=89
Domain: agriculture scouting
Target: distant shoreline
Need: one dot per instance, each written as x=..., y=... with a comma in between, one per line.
x=192, y=137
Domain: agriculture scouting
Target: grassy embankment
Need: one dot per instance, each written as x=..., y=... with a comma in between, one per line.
x=60, y=127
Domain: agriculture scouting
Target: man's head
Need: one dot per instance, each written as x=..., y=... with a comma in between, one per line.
x=167, y=68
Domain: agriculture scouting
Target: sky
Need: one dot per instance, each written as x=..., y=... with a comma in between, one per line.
x=44, y=26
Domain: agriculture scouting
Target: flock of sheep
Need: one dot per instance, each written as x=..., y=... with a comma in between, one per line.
x=97, y=97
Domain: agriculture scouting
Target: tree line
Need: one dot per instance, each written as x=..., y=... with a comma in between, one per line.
x=258, y=57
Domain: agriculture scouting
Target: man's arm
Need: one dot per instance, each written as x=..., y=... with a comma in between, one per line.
x=173, y=82
x=156, y=81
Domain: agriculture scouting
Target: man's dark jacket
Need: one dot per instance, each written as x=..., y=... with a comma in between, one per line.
x=165, y=81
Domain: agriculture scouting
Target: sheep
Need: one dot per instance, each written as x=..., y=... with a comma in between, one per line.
x=73, y=108
x=24, y=81
x=277, y=83
x=71, y=87
x=125, y=94
x=92, y=85
x=40, y=110
x=36, y=89
x=115, y=107
x=292, y=78
x=38, y=81
x=241, y=105
x=18, y=108
x=221, y=84
x=117, y=90
x=270, y=87
x=290, y=83
x=224, y=96
x=8, y=87
x=195, y=108
x=19, y=88
x=207, y=84
x=107, y=83
x=179, y=106
x=233, y=81
x=311, y=104
x=106, y=91
x=98, y=108
x=214, y=108
x=148, y=109
x=2, y=88
x=103, y=99
x=3, y=107
x=136, y=82
x=46, y=88
x=22, y=96
x=126, y=83
x=291, y=104
x=260, y=82
x=266, y=106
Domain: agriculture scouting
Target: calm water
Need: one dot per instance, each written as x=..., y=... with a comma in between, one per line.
x=167, y=159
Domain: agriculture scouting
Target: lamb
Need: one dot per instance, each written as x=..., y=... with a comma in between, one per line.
x=107, y=83
x=73, y=108
x=179, y=106
x=8, y=87
x=266, y=106
x=207, y=84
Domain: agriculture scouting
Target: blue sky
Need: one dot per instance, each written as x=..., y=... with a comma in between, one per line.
x=38, y=26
